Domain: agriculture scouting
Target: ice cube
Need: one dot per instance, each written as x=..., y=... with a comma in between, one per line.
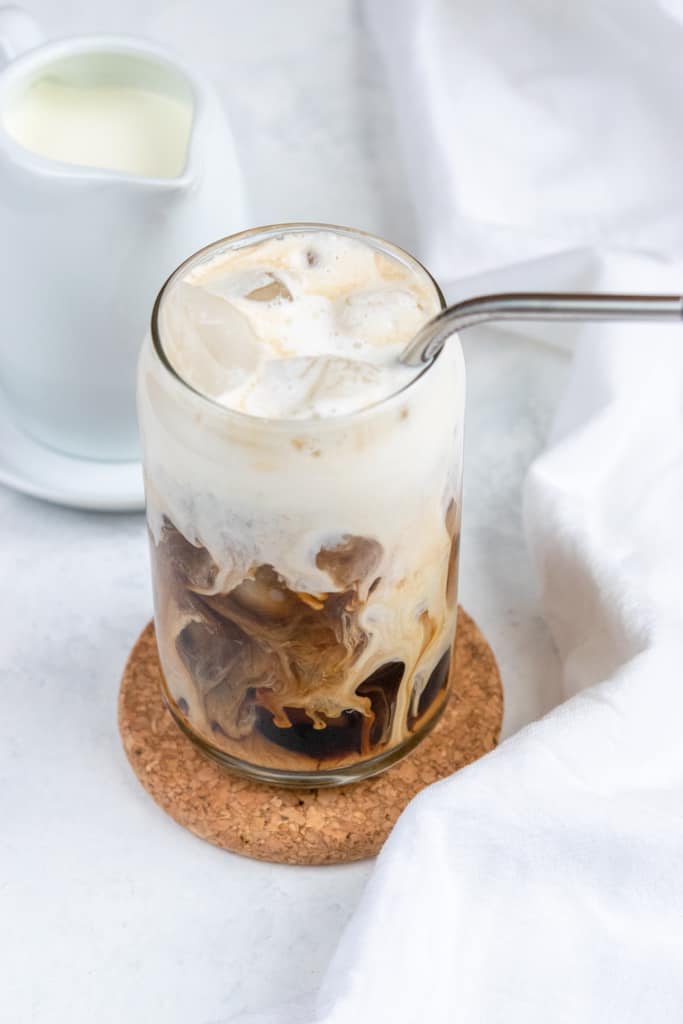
x=350, y=560
x=256, y=285
x=383, y=316
x=190, y=564
x=315, y=386
x=215, y=347
x=273, y=290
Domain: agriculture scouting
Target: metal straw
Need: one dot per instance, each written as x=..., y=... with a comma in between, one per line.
x=536, y=306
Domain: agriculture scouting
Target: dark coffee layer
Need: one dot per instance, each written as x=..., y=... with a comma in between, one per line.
x=270, y=662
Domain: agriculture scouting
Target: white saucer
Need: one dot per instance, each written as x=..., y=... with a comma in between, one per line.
x=30, y=467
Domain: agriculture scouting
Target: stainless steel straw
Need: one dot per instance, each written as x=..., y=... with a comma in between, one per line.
x=537, y=306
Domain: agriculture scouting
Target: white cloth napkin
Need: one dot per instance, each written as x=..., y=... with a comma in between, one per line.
x=544, y=883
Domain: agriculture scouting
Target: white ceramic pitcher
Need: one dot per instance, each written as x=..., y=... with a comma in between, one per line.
x=84, y=250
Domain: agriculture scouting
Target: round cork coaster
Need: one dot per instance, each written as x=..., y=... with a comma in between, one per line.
x=301, y=826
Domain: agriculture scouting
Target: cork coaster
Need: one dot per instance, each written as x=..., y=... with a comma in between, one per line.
x=301, y=826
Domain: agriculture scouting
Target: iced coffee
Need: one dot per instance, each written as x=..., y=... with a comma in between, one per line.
x=303, y=502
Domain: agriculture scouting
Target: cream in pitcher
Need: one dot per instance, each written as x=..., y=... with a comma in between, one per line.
x=104, y=123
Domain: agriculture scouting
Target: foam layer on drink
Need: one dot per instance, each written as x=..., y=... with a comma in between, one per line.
x=303, y=325
x=305, y=567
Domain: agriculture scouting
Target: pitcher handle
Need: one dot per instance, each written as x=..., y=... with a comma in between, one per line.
x=19, y=31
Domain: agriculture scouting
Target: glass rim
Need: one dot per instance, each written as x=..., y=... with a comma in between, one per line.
x=269, y=230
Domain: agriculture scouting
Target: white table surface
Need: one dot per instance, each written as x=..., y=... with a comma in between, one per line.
x=110, y=912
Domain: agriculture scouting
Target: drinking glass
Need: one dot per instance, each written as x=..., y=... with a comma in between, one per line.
x=305, y=571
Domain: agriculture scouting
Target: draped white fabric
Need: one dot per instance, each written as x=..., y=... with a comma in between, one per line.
x=543, y=883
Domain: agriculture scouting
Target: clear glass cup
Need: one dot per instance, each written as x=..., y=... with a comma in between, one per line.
x=305, y=571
